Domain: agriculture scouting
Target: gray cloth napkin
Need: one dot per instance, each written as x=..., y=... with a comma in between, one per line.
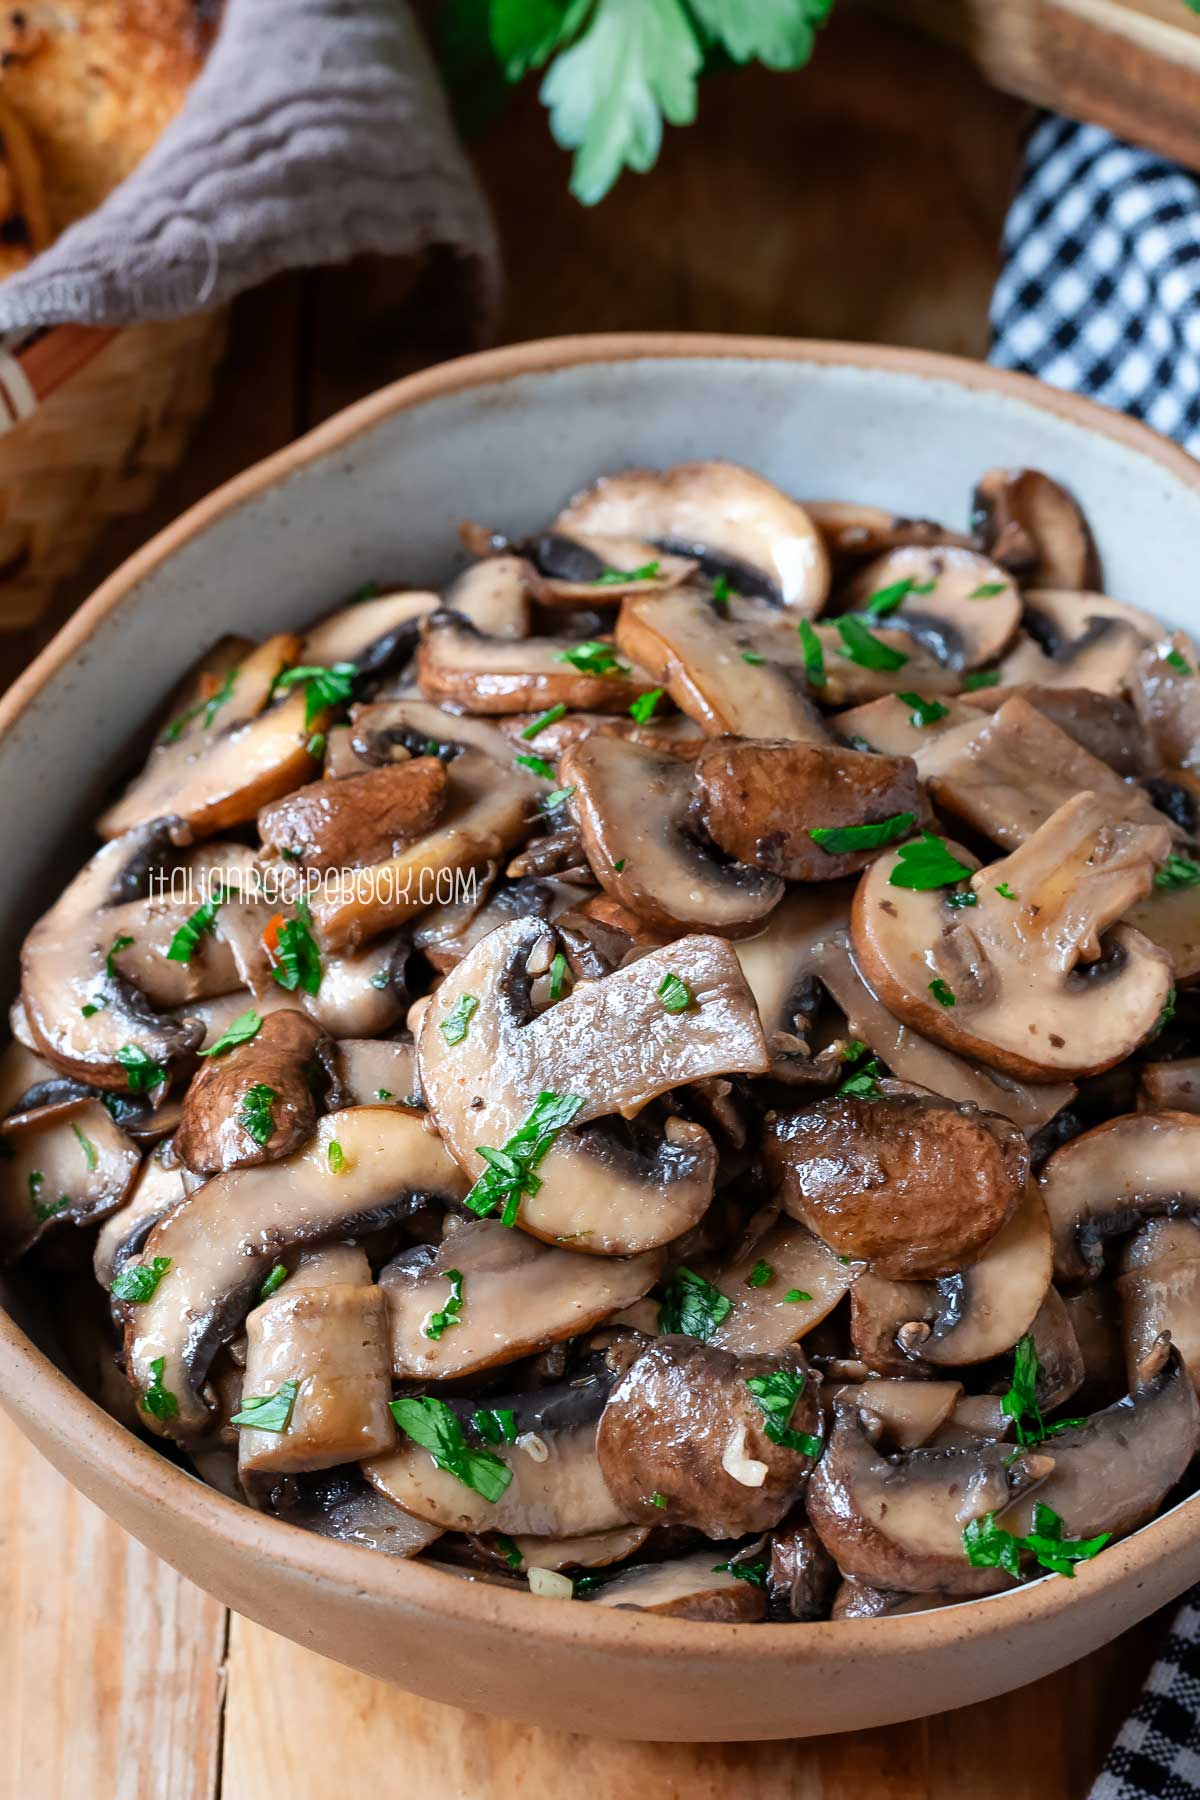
x=316, y=132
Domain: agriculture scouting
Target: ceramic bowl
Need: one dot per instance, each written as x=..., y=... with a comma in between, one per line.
x=504, y=438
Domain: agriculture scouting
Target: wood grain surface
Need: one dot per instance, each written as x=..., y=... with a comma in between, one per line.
x=860, y=199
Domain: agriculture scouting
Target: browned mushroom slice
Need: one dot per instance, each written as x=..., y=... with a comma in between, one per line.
x=1170, y=1086
x=633, y=807
x=156, y=1188
x=228, y=1122
x=598, y=1550
x=446, y=934
x=1078, y=640
x=900, y=1414
x=339, y=1504
x=28, y=1083
x=805, y=1282
x=459, y=666
x=375, y=1071
x=1030, y=979
x=324, y=1333
x=1166, y=694
x=667, y=730
x=1112, y=1179
x=217, y=768
x=361, y=820
x=482, y=1085
x=986, y=1308
x=516, y=1297
x=853, y=532
x=897, y=1522
x=801, y=1574
x=372, y=634
x=690, y=1587
x=593, y=569
x=958, y=604
x=1159, y=1291
x=913, y=1186
x=734, y=521
x=142, y=933
x=1095, y=1317
x=70, y=1165
x=1105, y=725
x=761, y=802
x=898, y=726
x=365, y=1167
x=1033, y=527
x=856, y=1600
x=683, y=1425
x=878, y=1310
x=1060, y=1364
x=1113, y=1472
x=1170, y=918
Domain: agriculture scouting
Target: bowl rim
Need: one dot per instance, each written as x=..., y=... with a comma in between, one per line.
x=32, y=1388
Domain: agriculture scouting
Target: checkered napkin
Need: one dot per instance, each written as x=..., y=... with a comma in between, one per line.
x=1100, y=293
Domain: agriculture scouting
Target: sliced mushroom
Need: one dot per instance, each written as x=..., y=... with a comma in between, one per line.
x=760, y=802
x=341, y=1505
x=593, y=570
x=801, y=1574
x=986, y=1308
x=493, y=594
x=326, y=1330
x=1033, y=527
x=375, y=1071
x=852, y=531
x=683, y=1425
x=1094, y=1313
x=807, y=1279
x=362, y=991
x=958, y=604
x=1170, y=1086
x=1105, y=725
x=1170, y=918
x=1078, y=640
x=1159, y=1291
x=219, y=1130
x=458, y=666
x=598, y=1550
x=1032, y=980
x=633, y=810
x=901, y=1415
x=1112, y=1179
x=688, y=1588
x=898, y=727
x=222, y=1240
x=878, y=1310
x=1166, y=694
x=156, y=1188
x=448, y=933
x=1060, y=1364
x=374, y=634
x=70, y=1165
x=517, y=1297
x=361, y=820
x=482, y=1088
x=912, y=1186
x=733, y=521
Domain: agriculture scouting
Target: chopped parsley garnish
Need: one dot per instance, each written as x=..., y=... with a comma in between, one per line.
x=722, y=594
x=989, y=1547
x=1005, y=892
x=142, y=1072
x=537, y=765
x=47, y=1209
x=753, y=657
x=431, y=1424
x=439, y=1322
x=753, y=1572
x=967, y=898
x=619, y=865
x=86, y=1145
x=886, y=599
x=618, y=577
x=814, y=655
x=456, y=1024
x=863, y=1083
x=256, y=1118
x=295, y=959
x=381, y=980
x=186, y=941
x=593, y=658
x=1167, y=1013
x=692, y=1305
x=927, y=863
x=138, y=1282
x=942, y=994
x=508, y=1550
x=981, y=678
x=1178, y=872
x=323, y=688
x=316, y=744
x=115, y=948
x=268, y=1412
x=1020, y=1402
x=777, y=1394
x=842, y=840
x=642, y=709
x=760, y=1274
x=924, y=712
x=384, y=1094
x=864, y=648
x=987, y=590
x=210, y=708
x=510, y=1174
x=1178, y=661
x=243, y=1028
x=796, y=1297
x=336, y=1157
x=496, y=1424
x=558, y=974
x=274, y=1281
x=550, y=717
x=559, y=797
x=157, y=1400
x=675, y=993
x=91, y=1009
x=369, y=590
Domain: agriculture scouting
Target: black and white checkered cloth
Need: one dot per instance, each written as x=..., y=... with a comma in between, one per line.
x=1100, y=293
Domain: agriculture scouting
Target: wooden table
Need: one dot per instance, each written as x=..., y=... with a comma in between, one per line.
x=806, y=206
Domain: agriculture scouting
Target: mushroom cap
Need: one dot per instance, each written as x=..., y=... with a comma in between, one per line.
x=1159, y=1291
x=967, y=618
x=991, y=1303
x=852, y=531
x=1078, y=640
x=373, y=634
x=283, y=1055
x=362, y=819
x=1034, y=528
x=764, y=1320
x=1112, y=1179
x=460, y=667
x=66, y=1165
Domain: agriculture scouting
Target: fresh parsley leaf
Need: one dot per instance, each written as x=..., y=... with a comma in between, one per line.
x=431, y=1424
x=115, y=948
x=336, y=1157
x=508, y=1550
x=439, y=1322
x=842, y=840
x=243, y=1028
x=943, y=994
x=537, y=765
x=91, y=1009
x=274, y=1281
x=1167, y=1013
x=777, y=1394
x=559, y=797
x=47, y=1209
x=186, y=940
x=927, y=863
x=924, y=712
x=618, y=577
x=1178, y=872
x=675, y=994
x=323, y=687
x=968, y=897
x=753, y=1572
x=981, y=678
x=1178, y=661
x=988, y=1546
x=295, y=959
x=256, y=1118
x=814, y=655
x=157, y=1400
x=779, y=33
x=692, y=1305
x=1005, y=892
x=86, y=1145
x=456, y=1024
x=496, y=1424
x=619, y=865
x=526, y=33
x=558, y=974
x=138, y=1282
x=511, y=1172
x=796, y=1297
x=1020, y=1402
x=864, y=648
x=987, y=590
x=659, y=1500
x=752, y=657
x=642, y=709
x=268, y=1412
x=316, y=744
x=550, y=717
x=593, y=658
x=863, y=1084
x=210, y=708
x=141, y=1071
x=760, y=1274
x=886, y=600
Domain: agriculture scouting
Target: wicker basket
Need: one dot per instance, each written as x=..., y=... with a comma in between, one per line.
x=95, y=449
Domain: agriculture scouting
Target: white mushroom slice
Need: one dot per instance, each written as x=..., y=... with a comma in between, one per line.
x=371, y=634
x=1113, y=1178
x=223, y=1239
x=559, y=1495
x=360, y=994
x=342, y=1506
x=852, y=531
x=633, y=807
x=1170, y=918
x=903, y=1414
x=326, y=1330
x=1104, y=724
x=1005, y=774
x=983, y=1311
x=375, y=1071
x=1166, y=695
x=806, y=1282
x=1159, y=1290
x=597, y=1551
x=1060, y=1364
x=688, y=1588
x=1035, y=528
x=458, y=666
x=146, y=928
x=1170, y=1086
x=1078, y=640
x=493, y=595
x=1026, y=979
x=157, y=1187
x=878, y=1310
x=28, y=1083
x=482, y=1088
x=70, y=1165
x=896, y=727
x=958, y=604
x=517, y=1297
x=732, y=520
x=212, y=776
x=593, y=569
